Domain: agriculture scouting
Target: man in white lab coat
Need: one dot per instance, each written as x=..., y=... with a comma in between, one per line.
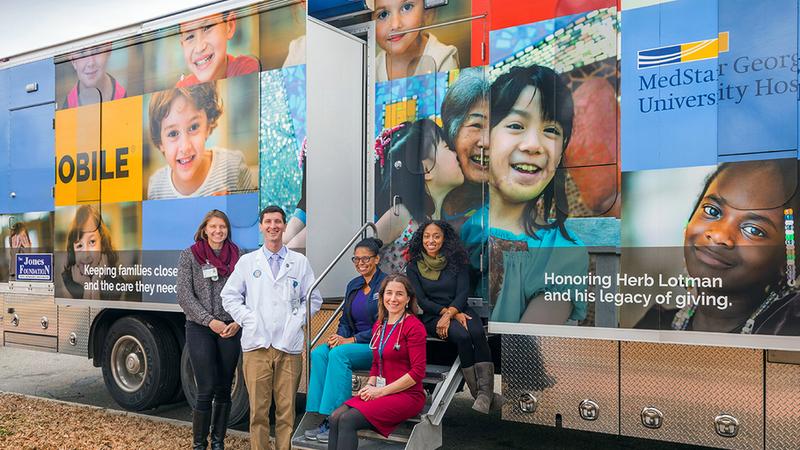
x=265, y=295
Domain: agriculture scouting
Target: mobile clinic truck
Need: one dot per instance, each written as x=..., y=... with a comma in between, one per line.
x=623, y=175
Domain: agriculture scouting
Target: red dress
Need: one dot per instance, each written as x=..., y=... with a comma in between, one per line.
x=386, y=413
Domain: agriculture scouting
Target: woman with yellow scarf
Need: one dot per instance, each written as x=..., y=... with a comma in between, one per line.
x=438, y=270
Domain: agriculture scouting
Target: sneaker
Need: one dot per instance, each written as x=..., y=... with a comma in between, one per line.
x=312, y=434
x=322, y=437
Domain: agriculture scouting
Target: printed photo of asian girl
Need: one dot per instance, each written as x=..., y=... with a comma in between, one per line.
x=741, y=233
x=531, y=116
x=181, y=120
x=89, y=256
x=401, y=54
x=415, y=170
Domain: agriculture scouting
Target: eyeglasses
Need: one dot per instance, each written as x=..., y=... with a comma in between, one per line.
x=363, y=259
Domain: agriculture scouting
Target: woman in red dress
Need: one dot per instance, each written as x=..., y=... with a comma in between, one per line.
x=394, y=392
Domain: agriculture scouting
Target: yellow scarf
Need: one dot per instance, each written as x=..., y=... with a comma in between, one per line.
x=430, y=267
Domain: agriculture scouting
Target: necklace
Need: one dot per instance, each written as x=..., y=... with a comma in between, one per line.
x=684, y=316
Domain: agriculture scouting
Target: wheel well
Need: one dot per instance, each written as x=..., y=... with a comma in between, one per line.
x=103, y=321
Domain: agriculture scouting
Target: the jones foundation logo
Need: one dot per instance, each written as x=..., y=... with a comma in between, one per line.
x=34, y=267
x=685, y=85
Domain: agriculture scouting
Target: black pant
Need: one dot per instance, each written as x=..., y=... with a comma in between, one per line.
x=345, y=423
x=214, y=361
x=471, y=342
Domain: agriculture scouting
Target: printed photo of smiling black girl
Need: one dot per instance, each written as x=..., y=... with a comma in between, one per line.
x=735, y=258
x=196, y=147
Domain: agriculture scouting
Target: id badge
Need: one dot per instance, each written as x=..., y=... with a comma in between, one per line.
x=209, y=271
x=295, y=304
x=380, y=382
x=295, y=301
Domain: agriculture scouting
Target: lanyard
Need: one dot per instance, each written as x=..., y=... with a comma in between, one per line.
x=382, y=343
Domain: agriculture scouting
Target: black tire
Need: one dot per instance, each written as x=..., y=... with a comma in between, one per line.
x=180, y=339
x=240, y=406
x=140, y=362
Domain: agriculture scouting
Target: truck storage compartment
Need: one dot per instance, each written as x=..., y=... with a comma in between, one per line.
x=31, y=84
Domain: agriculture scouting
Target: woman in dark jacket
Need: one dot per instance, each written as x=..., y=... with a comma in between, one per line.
x=438, y=270
x=332, y=365
x=212, y=337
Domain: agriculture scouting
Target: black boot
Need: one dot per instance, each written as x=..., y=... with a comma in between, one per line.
x=201, y=421
x=219, y=425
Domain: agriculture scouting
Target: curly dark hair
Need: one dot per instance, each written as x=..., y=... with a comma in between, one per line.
x=452, y=249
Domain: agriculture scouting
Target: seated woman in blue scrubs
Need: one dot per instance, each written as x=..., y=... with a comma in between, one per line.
x=332, y=364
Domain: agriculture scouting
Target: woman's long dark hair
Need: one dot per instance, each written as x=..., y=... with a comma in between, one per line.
x=403, y=173
x=557, y=105
x=452, y=249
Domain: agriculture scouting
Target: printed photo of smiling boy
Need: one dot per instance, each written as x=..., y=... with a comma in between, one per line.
x=204, y=43
x=181, y=122
x=94, y=84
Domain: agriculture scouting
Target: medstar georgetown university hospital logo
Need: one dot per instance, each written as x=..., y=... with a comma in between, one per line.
x=681, y=53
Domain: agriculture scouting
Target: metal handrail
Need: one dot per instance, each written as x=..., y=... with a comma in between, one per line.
x=310, y=342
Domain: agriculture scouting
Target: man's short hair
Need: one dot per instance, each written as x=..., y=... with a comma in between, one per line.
x=272, y=209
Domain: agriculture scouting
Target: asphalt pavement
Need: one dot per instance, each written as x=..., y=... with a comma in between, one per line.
x=75, y=379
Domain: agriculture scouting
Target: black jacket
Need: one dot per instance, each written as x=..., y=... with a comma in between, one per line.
x=451, y=289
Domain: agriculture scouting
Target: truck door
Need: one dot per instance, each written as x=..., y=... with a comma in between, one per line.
x=30, y=137
x=26, y=168
x=4, y=142
x=336, y=189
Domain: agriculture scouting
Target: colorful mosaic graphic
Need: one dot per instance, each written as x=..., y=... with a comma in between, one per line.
x=282, y=131
x=564, y=43
x=409, y=99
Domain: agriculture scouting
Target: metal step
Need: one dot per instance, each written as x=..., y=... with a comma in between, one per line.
x=433, y=373
x=367, y=440
x=400, y=434
x=422, y=432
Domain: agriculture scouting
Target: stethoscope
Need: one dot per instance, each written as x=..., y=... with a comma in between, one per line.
x=381, y=343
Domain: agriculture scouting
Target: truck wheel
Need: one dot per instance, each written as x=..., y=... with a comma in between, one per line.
x=240, y=407
x=139, y=362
